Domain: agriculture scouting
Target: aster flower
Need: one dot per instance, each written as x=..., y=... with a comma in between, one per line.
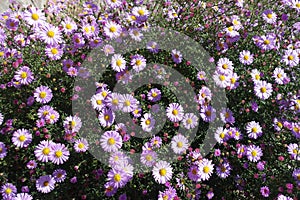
x=242, y=150
x=8, y=191
x=227, y=116
x=138, y=63
x=266, y=42
x=220, y=135
x=235, y=20
x=296, y=175
x=162, y=172
x=295, y=4
x=254, y=130
x=128, y=102
x=114, y=3
x=136, y=34
x=279, y=75
x=118, y=63
x=108, y=49
x=208, y=113
x=175, y=112
x=54, y=52
x=254, y=153
x=179, y=144
x=34, y=17
x=72, y=123
x=24, y=75
x=269, y=16
x=263, y=89
x=223, y=171
x=246, y=57
x=3, y=150
x=1, y=118
x=50, y=34
x=81, y=145
x=256, y=75
x=141, y=13
x=116, y=158
x=59, y=175
x=113, y=101
x=265, y=191
x=23, y=196
x=290, y=58
x=204, y=95
x=52, y=117
x=206, y=168
x=153, y=47
x=201, y=76
x=231, y=32
x=22, y=40
x=44, y=111
x=224, y=66
x=43, y=94
x=106, y=117
x=21, y=138
x=45, y=184
x=190, y=121
x=176, y=56
x=112, y=29
x=69, y=26
x=31, y=164
x=126, y=167
x=193, y=173
x=110, y=190
x=147, y=122
x=44, y=150
x=111, y=141
x=221, y=80
x=78, y=40
x=294, y=151
x=117, y=178
x=12, y=24
x=154, y=95
x=155, y=142
x=148, y=157
x=60, y=154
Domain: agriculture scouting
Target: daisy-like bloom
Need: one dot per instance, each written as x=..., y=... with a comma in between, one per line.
x=235, y=20
x=128, y=102
x=296, y=175
x=23, y=196
x=242, y=150
x=21, y=138
x=126, y=167
x=277, y=124
x=110, y=190
x=148, y=157
x=147, y=122
x=193, y=173
x=113, y=3
x=162, y=172
x=31, y=164
x=44, y=150
x=204, y=95
x=221, y=80
x=113, y=101
x=176, y=56
x=283, y=197
x=81, y=145
x=12, y=24
x=223, y=171
x=256, y=75
x=246, y=57
x=265, y=191
x=138, y=63
x=179, y=144
x=8, y=191
x=172, y=14
x=141, y=13
x=69, y=26
x=227, y=116
x=21, y=40
x=43, y=94
x=205, y=169
x=111, y=141
x=108, y=49
x=279, y=75
x=59, y=175
x=290, y=58
x=155, y=142
x=1, y=118
x=231, y=32
x=254, y=153
x=45, y=184
x=220, y=135
x=118, y=178
x=54, y=52
x=154, y=95
x=103, y=91
x=269, y=16
x=90, y=30
x=24, y=75
x=254, y=130
x=153, y=47
x=295, y=4
x=34, y=17
x=294, y=151
x=3, y=150
x=267, y=42
x=136, y=34
x=116, y=158
x=118, y=63
x=95, y=42
x=190, y=121
x=44, y=111
x=208, y=113
x=60, y=154
x=78, y=40
x=106, y=117
x=50, y=34
x=263, y=90
x=201, y=76
x=175, y=112
x=72, y=123
x=224, y=66
x=112, y=29
x=52, y=117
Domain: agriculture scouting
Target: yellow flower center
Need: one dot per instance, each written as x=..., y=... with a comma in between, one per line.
x=51, y=34
x=1, y=53
x=206, y=169
x=141, y=12
x=54, y=51
x=52, y=117
x=194, y=171
x=46, y=183
x=223, y=169
x=148, y=157
x=235, y=22
x=133, y=17
x=279, y=75
x=298, y=176
x=1, y=150
x=23, y=75
x=154, y=94
x=295, y=151
x=230, y=28
x=117, y=177
x=8, y=191
x=148, y=122
x=222, y=135
x=111, y=141
x=73, y=123
x=165, y=197
x=119, y=63
x=163, y=172
x=222, y=77
x=254, y=153
x=68, y=26
x=179, y=144
x=106, y=117
x=279, y=124
x=127, y=103
x=58, y=153
x=225, y=66
x=298, y=5
x=175, y=112
x=46, y=151
x=113, y=29
x=35, y=16
x=263, y=89
x=246, y=57
x=22, y=138
x=254, y=130
x=290, y=57
x=266, y=42
x=43, y=95
x=86, y=29
x=257, y=76
x=189, y=121
x=80, y=145
x=270, y=16
x=99, y=102
x=115, y=101
x=104, y=94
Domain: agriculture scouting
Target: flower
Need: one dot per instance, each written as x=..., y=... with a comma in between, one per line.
x=140, y=12
x=81, y=145
x=24, y=76
x=162, y=172
x=147, y=122
x=254, y=153
x=69, y=26
x=279, y=75
x=246, y=57
x=44, y=150
x=254, y=130
x=269, y=16
x=221, y=80
x=227, y=116
x=72, y=123
x=59, y=175
x=113, y=101
x=21, y=138
x=43, y=94
x=175, y=112
x=290, y=58
x=179, y=144
x=117, y=178
x=54, y=52
x=108, y=49
x=113, y=3
x=31, y=164
x=112, y=29
x=128, y=102
x=118, y=63
x=224, y=66
x=205, y=169
x=262, y=89
x=8, y=191
x=190, y=121
x=3, y=150
x=154, y=95
x=50, y=34
x=208, y=113
x=256, y=75
x=294, y=151
x=223, y=171
x=59, y=154
x=220, y=135
x=153, y=47
x=148, y=157
x=176, y=56
x=265, y=191
x=45, y=184
x=193, y=173
x=111, y=141
x=23, y=196
x=296, y=175
x=138, y=62
x=1, y=118
x=34, y=17
x=106, y=117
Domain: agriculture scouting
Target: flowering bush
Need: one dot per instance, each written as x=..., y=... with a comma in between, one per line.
x=49, y=151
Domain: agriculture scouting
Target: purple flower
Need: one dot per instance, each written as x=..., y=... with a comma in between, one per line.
x=265, y=191
x=24, y=76
x=45, y=184
x=176, y=56
x=154, y=95
x=43, y=94
x=8, y=191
